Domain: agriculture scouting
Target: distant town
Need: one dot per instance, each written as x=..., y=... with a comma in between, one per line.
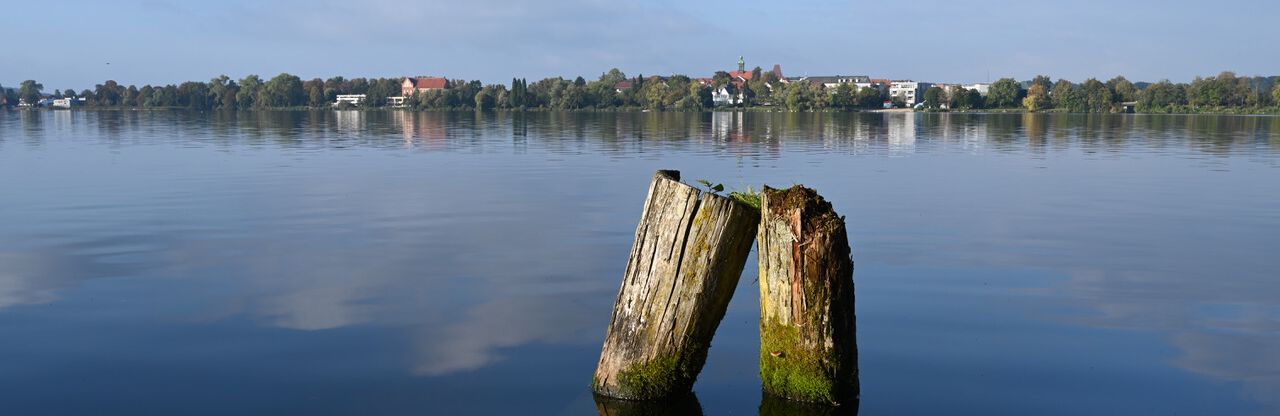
x=736, y=89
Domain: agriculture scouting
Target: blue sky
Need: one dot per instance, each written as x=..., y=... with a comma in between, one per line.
x=69, y=43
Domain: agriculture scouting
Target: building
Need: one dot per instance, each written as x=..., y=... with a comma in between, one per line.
x=882, y=86
x=742, y=74
x=353, y=99
x=982, y=88
x=66, y=103
x=832, y=81
x=911, y=92
x=419, y=85
x=722, y=96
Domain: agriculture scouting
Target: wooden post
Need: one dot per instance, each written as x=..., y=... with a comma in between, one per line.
x=808, y=348
x=688, y=254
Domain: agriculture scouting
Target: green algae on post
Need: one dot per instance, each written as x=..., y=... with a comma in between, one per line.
x=689, y=252
x=808, y=345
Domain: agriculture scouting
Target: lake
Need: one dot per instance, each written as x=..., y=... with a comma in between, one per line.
x=458, y=263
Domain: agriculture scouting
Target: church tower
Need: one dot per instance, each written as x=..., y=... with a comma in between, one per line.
x=742, y=65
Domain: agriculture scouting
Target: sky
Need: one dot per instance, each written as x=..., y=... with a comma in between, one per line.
x=78, y=43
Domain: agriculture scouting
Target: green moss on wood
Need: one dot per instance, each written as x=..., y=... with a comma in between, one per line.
x=790, y=368
x=660, y=377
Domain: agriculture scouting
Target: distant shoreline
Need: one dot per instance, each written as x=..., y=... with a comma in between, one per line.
x=1269, y=112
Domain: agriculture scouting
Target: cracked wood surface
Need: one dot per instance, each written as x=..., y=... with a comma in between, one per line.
x=689, y=252
x=807, y=326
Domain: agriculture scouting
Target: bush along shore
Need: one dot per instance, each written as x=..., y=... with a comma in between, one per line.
x=1225, y=93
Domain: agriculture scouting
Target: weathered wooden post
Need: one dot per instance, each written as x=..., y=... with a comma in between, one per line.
x=688, y=254
x=808, y=348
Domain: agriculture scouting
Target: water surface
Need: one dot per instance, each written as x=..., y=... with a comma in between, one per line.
x=460, y=263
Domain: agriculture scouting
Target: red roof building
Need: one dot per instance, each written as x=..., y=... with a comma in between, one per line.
x=420, y=85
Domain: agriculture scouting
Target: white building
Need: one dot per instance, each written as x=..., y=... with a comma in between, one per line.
x=909, y=91
x=833, y=81
x=66, y=102
x=353, y=99
x=982, y=88
x=722, y=97
x=873, y=85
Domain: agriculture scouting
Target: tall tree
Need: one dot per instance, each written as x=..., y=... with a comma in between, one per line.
x=285, y=90
x=1122, y=89
x=1097, y=97
x=247, y=96
x=1042, y=80
x=1275, y=94
x=29, y=92
x=1004, y=93
x=1161, y=96
x=1061, y=94
x=1037, y=97
x=844, y=97
x=933, y=97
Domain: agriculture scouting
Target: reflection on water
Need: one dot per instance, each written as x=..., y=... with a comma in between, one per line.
x=771, y=405
x=681, y=405
x=393, y=262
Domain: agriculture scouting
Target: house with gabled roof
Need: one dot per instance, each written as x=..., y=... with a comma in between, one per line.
x=419, y=85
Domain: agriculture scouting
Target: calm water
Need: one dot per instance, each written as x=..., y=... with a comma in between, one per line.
x=392, y=263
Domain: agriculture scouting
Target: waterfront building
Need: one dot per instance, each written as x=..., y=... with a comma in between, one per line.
x=419, y=85
x=830, y=82
x=911, y=92
x=981, y=87
x=353, y=99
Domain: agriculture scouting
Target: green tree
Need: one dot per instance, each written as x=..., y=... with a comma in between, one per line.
x=1037, y=97
x=194, y=95
x=29, y=92
x=1122, y=89
x=485, y=99
x=844, y=97
x=869, y=97
x=247, y=96
x=1062, y=94
x=315, y=93
x=1275, y=94
x=796, y=96
x=933, y=97
x=285, y=90
x=1042, y=80
x=720, y=78
x=1097, y=97
x=219, y=90
x=962, y=98
x=1004, y=93
x=654, y=94
x=129, y=97
x=1161, y=96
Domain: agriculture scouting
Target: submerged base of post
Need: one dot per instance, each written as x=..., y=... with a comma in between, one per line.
x=689, y=252
x=808, y=346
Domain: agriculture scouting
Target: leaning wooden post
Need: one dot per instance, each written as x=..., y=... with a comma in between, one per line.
x=808, y=348
x=688, y=254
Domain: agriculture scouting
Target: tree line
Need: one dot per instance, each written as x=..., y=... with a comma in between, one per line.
x=1225, y=91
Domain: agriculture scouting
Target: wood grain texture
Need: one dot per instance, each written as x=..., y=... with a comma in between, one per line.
x=689, y=252
x=808, y=339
